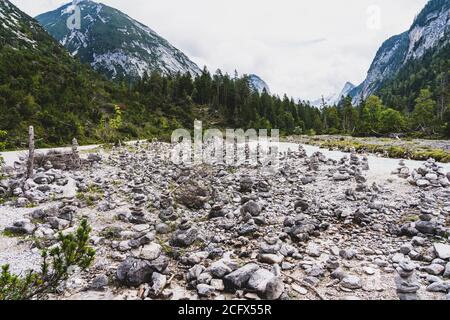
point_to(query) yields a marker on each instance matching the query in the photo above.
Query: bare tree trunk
(76, 161)
(30, 163)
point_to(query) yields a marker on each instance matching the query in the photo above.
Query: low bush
(71, 250)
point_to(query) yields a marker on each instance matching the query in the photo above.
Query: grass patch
(111, 233)
(93, 188)
(437, 154)
(401, 152)
(93, 194)
(166, 248)
(9, 234)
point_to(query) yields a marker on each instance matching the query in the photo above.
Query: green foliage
(2, 142)
(116, 121)
(391, 121)
(44, 86)
(71, 250)
(423, 115)
(371, 115)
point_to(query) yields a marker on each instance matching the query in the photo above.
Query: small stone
(204, 278)
(184, 238)
(351, 282)
(347, 254)
(434, 269)
(442, 250)
(162, 228)
(299, 289)
(134, 272)
(219, 269)
(447, 271)
(159, 282)
(370, 271)
(270, 258)
(406, 249)
(398, 257)
(205, 290)
(341, 176)
(22, 227)
(422, 183)
(274, 289)
(217, 284)
(252, 208)
(426, 227)
(259, 279)
(431, 176)
(99, 283)
(150, 252)
(313, 250)
(338, 274)
(239, 278)
(441, 286)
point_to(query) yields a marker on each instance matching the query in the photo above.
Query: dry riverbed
(322, 227)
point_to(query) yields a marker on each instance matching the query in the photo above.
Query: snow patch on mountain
(334, 99)
(11, 20)
(124, 49)
(258, 84)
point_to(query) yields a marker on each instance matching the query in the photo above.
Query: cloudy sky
(304, 48)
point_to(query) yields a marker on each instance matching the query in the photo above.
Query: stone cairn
(301, 151)
(167, 212)
(406, 281)
(314, 163)
(430, 174)
(139, 201)
(402, 170)
(67, 210)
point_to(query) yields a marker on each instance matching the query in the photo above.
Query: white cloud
(302, 48)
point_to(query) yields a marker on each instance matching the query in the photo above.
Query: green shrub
(71, 250)
(2, 148)
(2, 143)
(437, 154)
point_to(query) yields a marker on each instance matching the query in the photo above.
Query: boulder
(134, 272)
(259, 279)
(238, 279)
(21, 227)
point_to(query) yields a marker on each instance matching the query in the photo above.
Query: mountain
(258, 84)
(113, 43)
(18, 31)
(430, 31)
(334, 99)
(42, 85)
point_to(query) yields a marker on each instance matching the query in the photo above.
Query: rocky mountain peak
(113, 43)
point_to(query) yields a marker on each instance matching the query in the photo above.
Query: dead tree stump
(30, 164)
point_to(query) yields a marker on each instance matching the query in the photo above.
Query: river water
(379, 167)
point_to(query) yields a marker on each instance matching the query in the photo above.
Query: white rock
(150, 251)
(442, 250)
